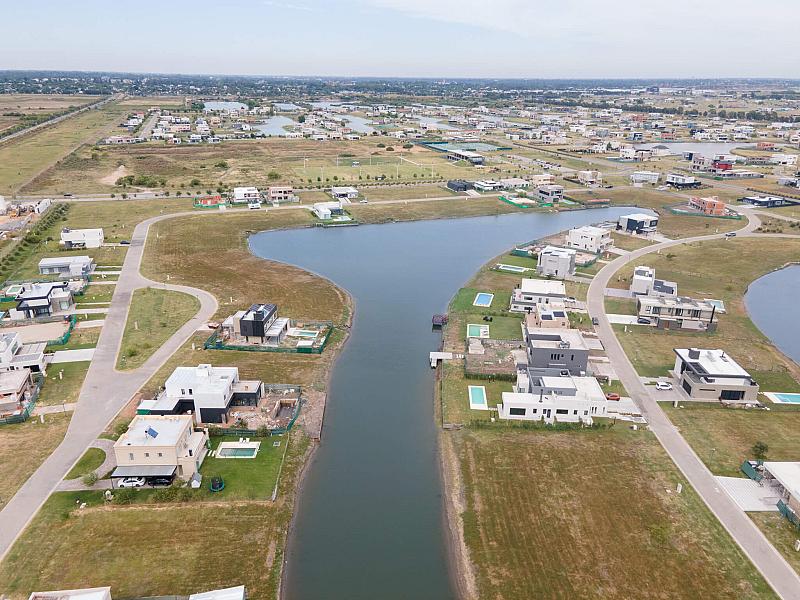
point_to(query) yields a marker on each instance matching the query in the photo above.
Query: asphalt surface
(775, 569)
(105, 390)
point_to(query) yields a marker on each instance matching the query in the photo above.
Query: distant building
(644, 283)
(67, 266)
(681, 181)
(590, 177)
(244, 195)
(550, 194)
(515, 183)
(344, 193)
(710, 205)
(281, 193)
(645, 177)
(768, 201)
(713, 375)
(556, 262)
(467, 155)
(459, 185)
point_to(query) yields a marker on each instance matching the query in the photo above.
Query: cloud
(286, 5)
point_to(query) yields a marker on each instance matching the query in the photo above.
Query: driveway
(622, 319)
(68, 356)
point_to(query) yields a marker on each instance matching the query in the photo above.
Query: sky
(408, 38)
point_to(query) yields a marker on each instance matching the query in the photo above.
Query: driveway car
(643, 321)
(131, 482)
(612, 396)
(663, 386)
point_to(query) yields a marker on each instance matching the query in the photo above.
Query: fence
(750, 470)
(38, 381)
(67, 334)
(790, 515)
(214, 343)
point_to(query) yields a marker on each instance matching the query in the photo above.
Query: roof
(144, 471)
(788, 474)
(556, 338)
(56, 261)
(639, 217)
(12, 381)
(675, 302)
(259, 312)
(167, 430)
(232, 593)
(205, 377)
(711, 363)
(590, 230)
(556, 251)
(543, 286)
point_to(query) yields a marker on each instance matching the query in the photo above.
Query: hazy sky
(425, 38)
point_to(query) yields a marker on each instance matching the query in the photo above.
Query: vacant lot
(23, 448)
(723, 438)
(153, 317)
(23, 159)
(591, 514)
(24, 110)
(211, 545)
(722, 270)
(63, 383)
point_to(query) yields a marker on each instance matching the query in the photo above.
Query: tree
(759, 450)
(273, 175)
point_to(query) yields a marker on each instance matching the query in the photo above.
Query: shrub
(89, 479)
(124, 496)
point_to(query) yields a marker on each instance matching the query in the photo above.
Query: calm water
(275, 125)
(358, 124)
(224, 105)
(772, 302)
(369, 522)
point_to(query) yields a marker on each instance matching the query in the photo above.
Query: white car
(131, 482)
(363, 201)
(663, 386)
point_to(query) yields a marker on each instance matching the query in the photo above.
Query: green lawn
(781, 533)
(455, 395)
(91, 459)
(246, 479)
(96, 293)
(78, 339)
(620, 306)
(154, 315)
(500, 328)
(463, 301)
(63, 389)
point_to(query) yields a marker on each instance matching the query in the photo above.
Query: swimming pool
(512, 268)
(477, 397)
(785, 398)
(477, 331)
(242, 449)
(305, 333)
(483, 300)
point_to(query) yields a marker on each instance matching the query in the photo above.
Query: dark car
(643, 321)
(595, 321)
(160, 481)
(124, 243)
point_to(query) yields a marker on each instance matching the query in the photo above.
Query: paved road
(105, 391)
(778, 573)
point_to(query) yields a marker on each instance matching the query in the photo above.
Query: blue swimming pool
(483, 300)
(477, 397)
(786, 398)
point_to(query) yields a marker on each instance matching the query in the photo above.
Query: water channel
(369, 522)
(772, 304)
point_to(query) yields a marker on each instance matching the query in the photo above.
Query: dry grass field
(591, 514)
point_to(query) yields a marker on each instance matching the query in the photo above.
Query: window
(562, 411)
(190, 391)
(147, 455)
(183, 392)
(160, 455)
(731, 395)
(517, 412)
(130, 456)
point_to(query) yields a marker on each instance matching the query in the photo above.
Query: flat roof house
(550, 194)
(99, 593)
(710, 375)
(459, 185)
(160, 446)
(787, 476)
(590, 177)
(81, 238)
(645, 177)
(677, 312)
(259, 324)
(681, 181)
(281, 193)
(67, 266)
(556, 352)
(644, 283)
(344, 192)
(243, 195)
(548, 316)
(15, 355)
(550, 399)
(42, 300)
(513, 183)
(638, 223)
(536, 291)
(589, 238)
(471, 157)
(205, 390)
(556, 262)
(15, 389)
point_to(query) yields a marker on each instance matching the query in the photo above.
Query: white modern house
(281, 193)
(547, 316)
(556, 262)
(245, 195)
(66, 266)
(537, 291)
(644, 283)
(638, 223)
(81, 238)
(645, 177)
(550, 194)
(344, 193)
(590, 177)
(205, 390)
(14, 355)
(160, 447)
(677, 312)
(328, 210)
(589, 238)
(41, 300)
(713, 375)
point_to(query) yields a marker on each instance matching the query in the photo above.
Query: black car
(124, 243)
(643, 321)
(160, 481)
(595, 321)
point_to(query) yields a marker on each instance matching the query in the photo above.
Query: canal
(370, 521)
(771, 302)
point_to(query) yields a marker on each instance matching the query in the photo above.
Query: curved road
(777, 572)
(105, 390)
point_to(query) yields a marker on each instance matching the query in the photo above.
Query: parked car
(124, 243)
(663, 386)
(131, 482)
(612, 396)
(363, 201)
(161, 481)
(643, 321)
(730, 234)
(595, 321)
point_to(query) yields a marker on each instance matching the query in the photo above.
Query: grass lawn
(64, 389)
(780, 533)
(211, 545)
(500, 328)
(620, 306)
(91, 459)
(96, 293)
(455, 395)
(629, 242)
(591, 514)
(723, 437)
(245, 478)
(465, 297)
(24, 447)
(153, 317)
(721, 270)
(78, 339)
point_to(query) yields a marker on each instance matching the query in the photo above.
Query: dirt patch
(111, 178)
